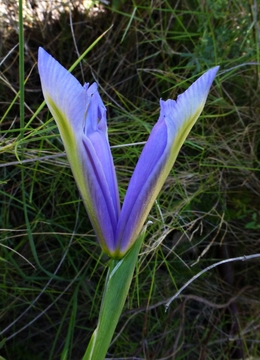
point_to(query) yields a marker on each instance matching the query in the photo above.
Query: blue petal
(63, 89)
(81, 118)
(158, 156)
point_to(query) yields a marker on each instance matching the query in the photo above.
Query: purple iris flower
(81, 118)
(158, 156)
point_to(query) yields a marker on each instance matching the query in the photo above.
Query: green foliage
(52, 269)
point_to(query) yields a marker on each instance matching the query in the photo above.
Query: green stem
(118, 281)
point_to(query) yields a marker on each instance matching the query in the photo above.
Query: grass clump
(52, 269)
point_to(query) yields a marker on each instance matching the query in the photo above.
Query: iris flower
(81, 118)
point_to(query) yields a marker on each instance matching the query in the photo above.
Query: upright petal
(81, 118)
(158, 156)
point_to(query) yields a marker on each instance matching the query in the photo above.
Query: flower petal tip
(211, 74)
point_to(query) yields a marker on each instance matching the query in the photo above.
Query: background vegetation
(52, 270)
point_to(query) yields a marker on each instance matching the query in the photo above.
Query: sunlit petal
(158, 156)
(81, 118)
